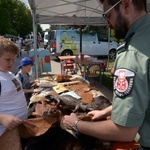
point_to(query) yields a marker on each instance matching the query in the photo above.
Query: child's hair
(7, 45)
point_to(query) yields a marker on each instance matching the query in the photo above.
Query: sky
(44, 26)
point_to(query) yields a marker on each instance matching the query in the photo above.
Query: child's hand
(37, 90)
(10, 121)
(36, 81)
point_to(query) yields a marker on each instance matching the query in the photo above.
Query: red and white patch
(123, 82)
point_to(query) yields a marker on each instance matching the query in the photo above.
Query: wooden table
(78, 61)
(46, 131)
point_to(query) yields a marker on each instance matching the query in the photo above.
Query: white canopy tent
(70, 12)
(67, 12)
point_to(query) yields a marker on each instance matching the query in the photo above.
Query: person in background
(13, 106)
(130, 110)
(19, 44)
(23, 75)
(27, 44)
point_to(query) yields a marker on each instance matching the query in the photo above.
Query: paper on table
(72, 93)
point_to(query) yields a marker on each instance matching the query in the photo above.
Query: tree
(16, 18)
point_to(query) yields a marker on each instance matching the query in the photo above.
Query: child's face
(27, 68)
(7, 61)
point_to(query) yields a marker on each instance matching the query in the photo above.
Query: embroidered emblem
(123, 82)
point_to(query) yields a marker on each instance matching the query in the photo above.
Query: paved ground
(56, 69)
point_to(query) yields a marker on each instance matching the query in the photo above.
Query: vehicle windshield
(47, 36)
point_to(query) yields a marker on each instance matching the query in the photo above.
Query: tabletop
(72, 57)
(49, 127)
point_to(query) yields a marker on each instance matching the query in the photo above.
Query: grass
(107, 78)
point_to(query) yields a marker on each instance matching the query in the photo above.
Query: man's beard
(121, 27)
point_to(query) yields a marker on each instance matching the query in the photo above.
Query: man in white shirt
(19, 44)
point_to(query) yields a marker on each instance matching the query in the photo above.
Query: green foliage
(16, 18)
(107, 80)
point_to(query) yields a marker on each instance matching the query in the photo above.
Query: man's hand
(96, 114)
(68, 120)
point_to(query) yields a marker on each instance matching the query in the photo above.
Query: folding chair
(68, 66)
(94, 71)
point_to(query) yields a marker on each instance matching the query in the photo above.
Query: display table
(78, 61)
(44, 128)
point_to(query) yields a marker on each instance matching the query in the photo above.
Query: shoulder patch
(123, 82)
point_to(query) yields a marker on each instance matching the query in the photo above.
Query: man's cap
(25, 62)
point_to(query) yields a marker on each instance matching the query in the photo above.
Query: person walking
(19, 44)
(27, 44)
(130, 107)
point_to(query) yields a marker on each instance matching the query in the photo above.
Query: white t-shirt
(18, 42)
(12, 99)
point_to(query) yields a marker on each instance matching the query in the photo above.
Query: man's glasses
(104, 14)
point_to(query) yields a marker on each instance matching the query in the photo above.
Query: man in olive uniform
(130, 110)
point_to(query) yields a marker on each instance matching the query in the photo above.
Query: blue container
(44, 64)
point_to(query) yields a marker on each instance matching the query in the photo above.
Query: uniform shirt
(131, 101)
(12, 99)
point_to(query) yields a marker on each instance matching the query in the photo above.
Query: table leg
(61, 65)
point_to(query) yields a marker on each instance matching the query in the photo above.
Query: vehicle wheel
(112, 54)
(67, 52)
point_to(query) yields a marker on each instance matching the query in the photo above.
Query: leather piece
(83, 90)
(35, 127)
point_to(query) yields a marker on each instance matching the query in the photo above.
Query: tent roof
(70, 12)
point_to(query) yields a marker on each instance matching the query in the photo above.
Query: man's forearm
(107, 111)
(107, 130)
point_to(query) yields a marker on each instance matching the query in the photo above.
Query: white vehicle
(46, 39)
(68, 43)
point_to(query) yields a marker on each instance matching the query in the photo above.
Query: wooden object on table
(60, 88)
(62, 77)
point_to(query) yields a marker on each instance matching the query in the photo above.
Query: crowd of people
(25, 44)
(130, 109)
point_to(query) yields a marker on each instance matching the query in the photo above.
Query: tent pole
(35, 40)
(81, 38)
(108, 46)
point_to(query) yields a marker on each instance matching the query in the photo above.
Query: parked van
(68, 43)
(46, 39)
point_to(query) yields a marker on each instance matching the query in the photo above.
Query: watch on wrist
(74, 127)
